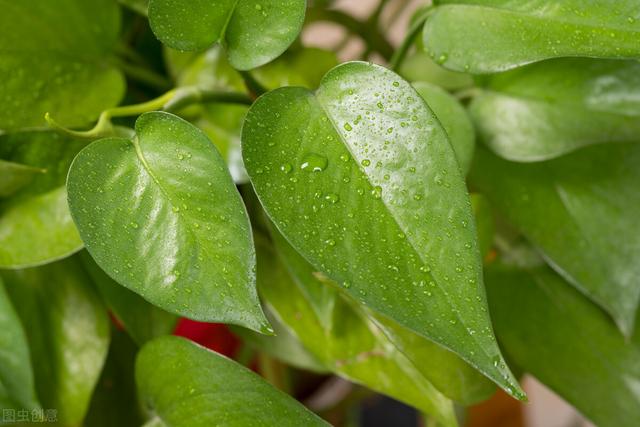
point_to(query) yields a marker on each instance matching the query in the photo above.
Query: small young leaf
(454, 119)
(253, 32)
(142, 320)
(556, 334)
(35, 223)
(160, 214)
(551, 108)
(16, 376)
(54, 57)
(200, 388)
(361, 179)
(484, 36)
(581, 210)
(68, 332)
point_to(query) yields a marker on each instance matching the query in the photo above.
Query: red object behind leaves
(214, 336)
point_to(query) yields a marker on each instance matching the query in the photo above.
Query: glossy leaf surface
(555, 333)
(54, 57)
(253, 32)
(361, 179)
(454, 119)
(141, 320)
(581, 210)
(484, 36)
(544, 110)
(16, 376)
(201, 388)
(160, 214)
(68, 332)
(360, 345)
(35, 223)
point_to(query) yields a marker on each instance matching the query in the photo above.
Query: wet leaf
(68, 333)
(160, 214)
(484, 36)
(35, 223)
(555, 333)
(454, 119)
(253, 32)
(16, 376)
(201, 388)
(361, 179)
(55, 57)
(581, 211)
(548, 109)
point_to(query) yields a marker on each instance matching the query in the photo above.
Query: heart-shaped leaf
(54, 57)
(254, 32)
(160, 214)
(361, 346)
(16, 376)
(35, 223)
(68, 332)
(201, 388)
(483, 36)
(454, 119)
(547, 109)
(142, 320)
(556, 334)
(582, 211)
(361, 179)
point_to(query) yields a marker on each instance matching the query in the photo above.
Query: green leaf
(253, 32)
(16, 376)
(360, 345)
(35, 223)
(160, 214)
(454, 119)
(581, 211)
(484, 222)
(361, 179)
(56, 57)
(201, 388)
(485, 36)
(142, 320)
(556, 334)
(544, 110)
(15, 176)
(419, 67)
(68, 332)
(115, 401)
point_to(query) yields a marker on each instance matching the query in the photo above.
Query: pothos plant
(339, 216)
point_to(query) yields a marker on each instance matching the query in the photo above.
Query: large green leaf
(454, 119)
(15, 176)
(555, 333)
(16, 376)
(483, 36)
(254, 32)
(142, 320)
(55, 57)
(68, 332)
(35, 223)
(361, 179)
(581, 210)
(547, 109)
(360, 345)
(160, 214)
(200, 388)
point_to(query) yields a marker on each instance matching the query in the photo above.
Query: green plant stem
(144, 75)
(254, 87)
(171, 101)
(274, 372)
(371, 35)
(414, 30)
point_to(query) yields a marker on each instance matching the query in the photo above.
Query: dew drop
(313, 162)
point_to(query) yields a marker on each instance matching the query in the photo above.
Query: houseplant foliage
(426, 226)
